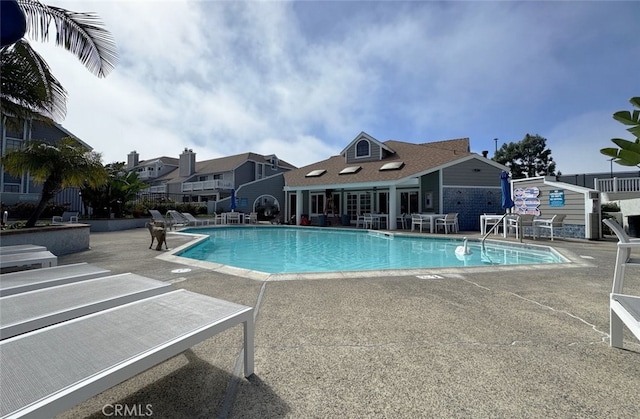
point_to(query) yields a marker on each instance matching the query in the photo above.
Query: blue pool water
(281, 249)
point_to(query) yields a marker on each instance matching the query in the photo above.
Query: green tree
(28, 87)
(65, 164)
(527, 158)
(628, 153)
(121, 187)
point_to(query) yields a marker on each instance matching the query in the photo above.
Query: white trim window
(259, 170)
(317, 203)
(363, 149)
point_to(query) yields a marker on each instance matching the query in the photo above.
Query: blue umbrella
(507, 202)
(233, 200)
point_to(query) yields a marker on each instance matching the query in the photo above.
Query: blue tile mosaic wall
(470, 204)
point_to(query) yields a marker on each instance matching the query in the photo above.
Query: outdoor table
(485, 221)
(226, 218)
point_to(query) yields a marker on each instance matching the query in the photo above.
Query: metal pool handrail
(493, 227)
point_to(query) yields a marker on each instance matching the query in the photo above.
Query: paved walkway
(516, 342)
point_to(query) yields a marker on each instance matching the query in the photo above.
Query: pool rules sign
(556, 198)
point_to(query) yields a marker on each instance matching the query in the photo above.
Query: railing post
(615, 184)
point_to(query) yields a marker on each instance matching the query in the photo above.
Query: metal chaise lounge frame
(44, 258)
(20, 248)
(44, 375)
(33, 279)
(177, 219)
(193, 221)
(623, 309)
(157, 217)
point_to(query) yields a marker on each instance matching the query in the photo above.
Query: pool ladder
(493, 227)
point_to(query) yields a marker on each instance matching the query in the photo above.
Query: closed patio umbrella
(233, 200)
(507, 201)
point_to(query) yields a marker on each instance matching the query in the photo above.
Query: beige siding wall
(574, 202)
(471, 173)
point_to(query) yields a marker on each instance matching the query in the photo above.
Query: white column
(393, 203)
(298, 206)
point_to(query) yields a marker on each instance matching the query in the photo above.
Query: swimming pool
(281, 249)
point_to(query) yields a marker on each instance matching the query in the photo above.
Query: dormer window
(363, 148)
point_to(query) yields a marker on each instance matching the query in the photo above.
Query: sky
(302, 79)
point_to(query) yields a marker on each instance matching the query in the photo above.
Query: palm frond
(83, 34)
(28, 86)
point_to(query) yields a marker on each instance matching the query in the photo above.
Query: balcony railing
(618, 185)
(155, 189)
(207, 185)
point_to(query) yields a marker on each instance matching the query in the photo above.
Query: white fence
(618, 185)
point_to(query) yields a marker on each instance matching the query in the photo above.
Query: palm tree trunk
(49, 190)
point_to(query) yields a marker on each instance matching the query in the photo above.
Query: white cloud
(301, 79)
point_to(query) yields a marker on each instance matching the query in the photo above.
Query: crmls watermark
(129, 410)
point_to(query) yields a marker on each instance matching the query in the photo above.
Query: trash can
(322, 220)
(346, 220)
(634, 225)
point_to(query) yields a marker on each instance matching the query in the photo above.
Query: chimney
(187, 162)
(485, 153)
(133, 159)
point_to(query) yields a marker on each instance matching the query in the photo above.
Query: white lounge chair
(21, 248)
(623, 309)
(193, 221)
(554, 223)
(177, 219)
(67, 217)
(44, 259)
(95, 352)
(159, 218)
(20, 313)
(33, 279)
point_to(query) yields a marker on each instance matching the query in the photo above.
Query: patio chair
(193, 221)
(359, 220)
(67, 217)
(367, 221)
(554, 223)
(401, 221)
(520, 223)
(233, 218)
(623, 309)
(449, 222)
(252, 218)
(417, 220)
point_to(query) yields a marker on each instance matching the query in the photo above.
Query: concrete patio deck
(511, 342)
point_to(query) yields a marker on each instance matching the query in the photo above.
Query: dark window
(363, 149)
